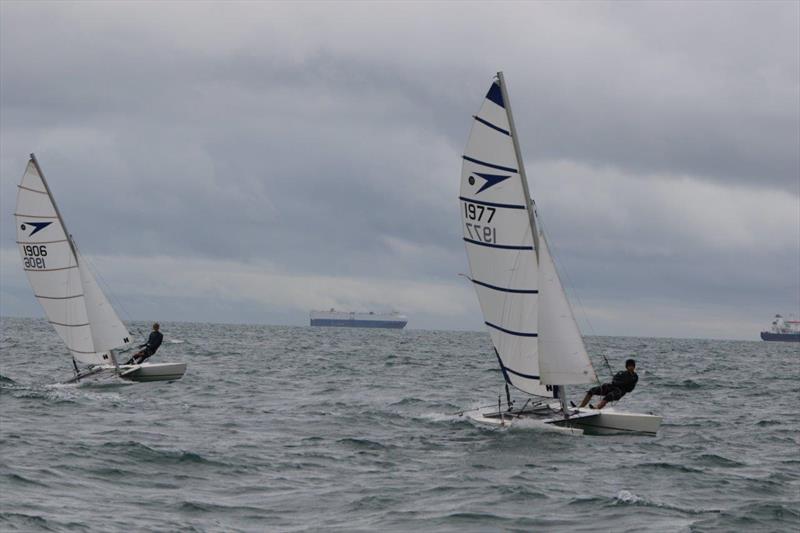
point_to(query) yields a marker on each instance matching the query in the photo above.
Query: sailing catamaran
(72, 300)
(536, 340)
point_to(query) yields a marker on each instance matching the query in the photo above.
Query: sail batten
(68, 293)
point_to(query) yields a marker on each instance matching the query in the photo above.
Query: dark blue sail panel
(496, 95)
(491, 180)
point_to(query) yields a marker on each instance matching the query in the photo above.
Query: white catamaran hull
(141, 372)
(608, 421)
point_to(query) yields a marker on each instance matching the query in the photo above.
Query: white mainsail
(537, 341)
(61, 281)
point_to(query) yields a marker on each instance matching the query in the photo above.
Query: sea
(337, 429)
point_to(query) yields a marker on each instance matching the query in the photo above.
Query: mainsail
(61, 281)
(534, 333)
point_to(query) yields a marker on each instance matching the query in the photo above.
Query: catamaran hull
(610, 422)
(153, 372)
(140, 373)
(581, 421)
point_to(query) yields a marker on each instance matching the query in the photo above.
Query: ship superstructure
(782, 330)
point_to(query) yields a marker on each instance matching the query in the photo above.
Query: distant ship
(782, 330)
(358, 320)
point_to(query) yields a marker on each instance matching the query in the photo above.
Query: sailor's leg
(602, 403)
(586, 399)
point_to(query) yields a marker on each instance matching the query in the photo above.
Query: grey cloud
(271, 134)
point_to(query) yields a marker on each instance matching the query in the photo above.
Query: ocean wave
(761, 516)
(137, 450)
(363, 444)
(25, 522)
(16, 479)
(712, 459)
(670, 466)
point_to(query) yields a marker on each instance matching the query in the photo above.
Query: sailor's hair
(630, 362)
(156, 325)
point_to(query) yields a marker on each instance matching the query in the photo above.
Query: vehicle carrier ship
(352, 319)
(782, 330)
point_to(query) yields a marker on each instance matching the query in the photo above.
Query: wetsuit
(150, 347)
(623, 383)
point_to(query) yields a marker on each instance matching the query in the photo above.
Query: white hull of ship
(607, 421)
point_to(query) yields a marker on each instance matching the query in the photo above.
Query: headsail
(72, 301)
(537, 341)
(562, 355)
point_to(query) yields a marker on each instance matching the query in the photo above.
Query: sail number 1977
(33, 256)
(476, 212)
(479, 213)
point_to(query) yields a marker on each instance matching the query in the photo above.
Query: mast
(55, 206)
(529, 203)
(528, 199)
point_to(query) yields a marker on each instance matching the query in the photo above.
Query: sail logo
(490, 180)
(37, 227)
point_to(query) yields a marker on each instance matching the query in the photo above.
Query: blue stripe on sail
(491, 204)
(517, 333)
(490, 165)
(487, 123)
(517, 291)
(520, 374)
(502, 246)
(506, 370)
(502, 367)
(495, 95)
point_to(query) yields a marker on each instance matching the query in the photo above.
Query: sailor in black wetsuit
(150, 347)
(624, 382)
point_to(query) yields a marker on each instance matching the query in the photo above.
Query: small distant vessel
(782, 330)
(537, 343)
(72, 300)
(351, 319)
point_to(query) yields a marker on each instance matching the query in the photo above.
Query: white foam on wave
(76, 392)
(626, 496)
(440, 417)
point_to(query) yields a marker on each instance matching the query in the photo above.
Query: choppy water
(293, 429)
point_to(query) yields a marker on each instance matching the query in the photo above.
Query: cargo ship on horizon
(782, 330)
(352, 319)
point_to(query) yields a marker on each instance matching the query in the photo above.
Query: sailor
(624, 382)
(150, 347)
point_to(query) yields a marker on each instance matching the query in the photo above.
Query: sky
(248, 162)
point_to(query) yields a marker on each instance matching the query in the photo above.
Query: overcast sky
(248, 162)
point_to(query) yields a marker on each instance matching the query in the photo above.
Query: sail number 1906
(33, 256)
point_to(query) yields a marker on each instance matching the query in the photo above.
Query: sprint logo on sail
(490, 180)
(37, 227)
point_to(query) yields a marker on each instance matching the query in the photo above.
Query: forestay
(534, 333)
(72, 301)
